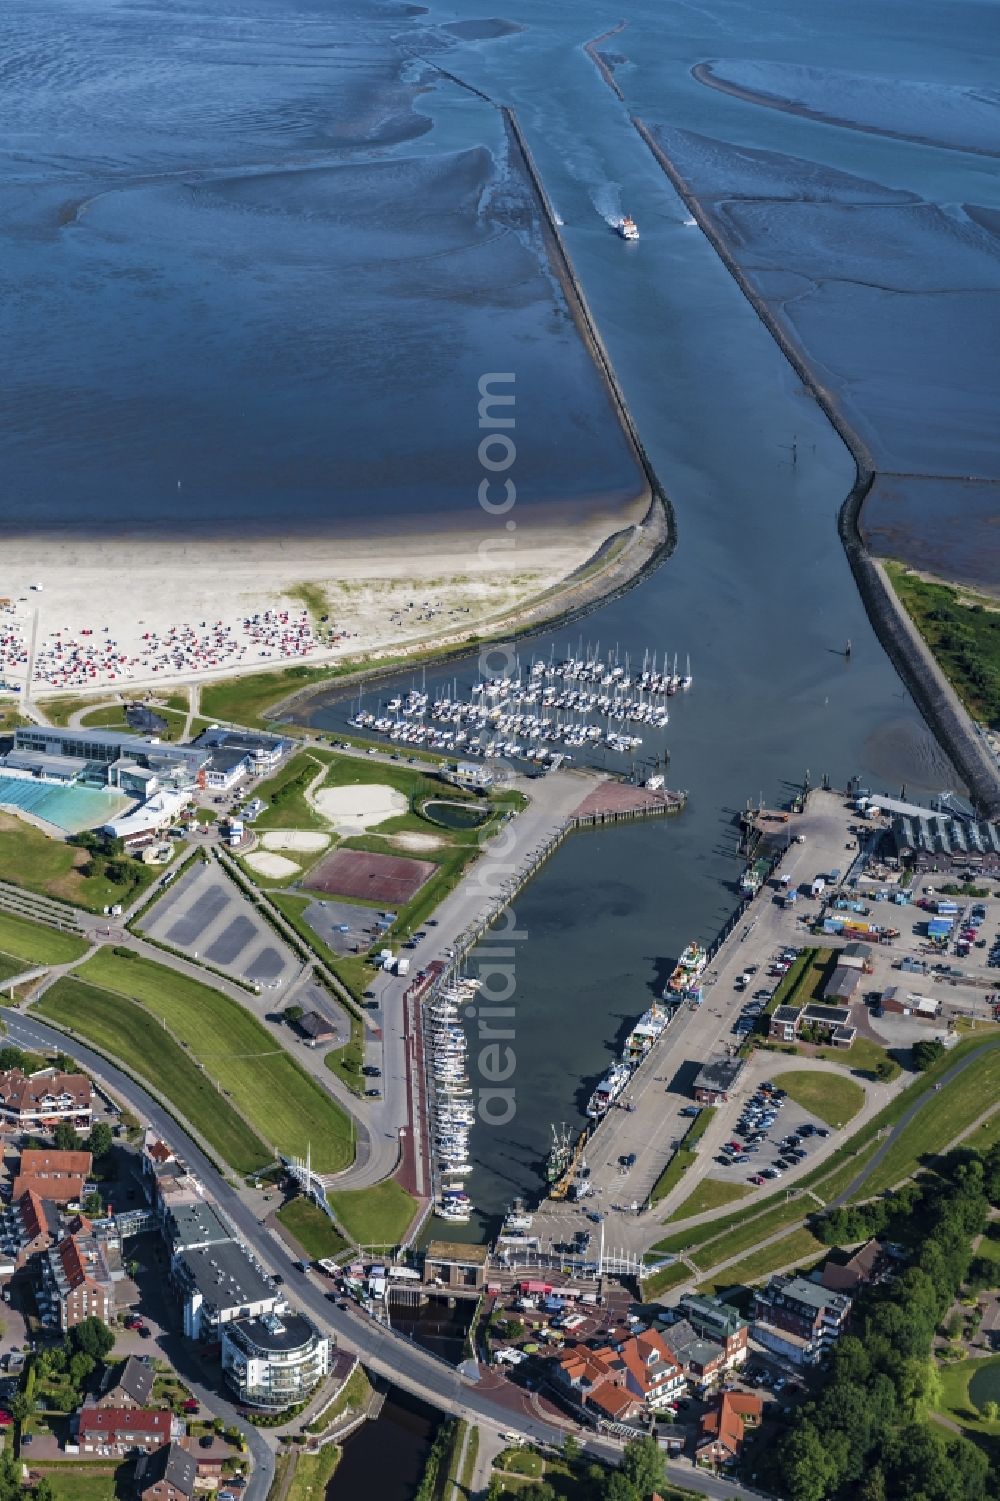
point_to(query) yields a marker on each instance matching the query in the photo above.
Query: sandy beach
(140, 613)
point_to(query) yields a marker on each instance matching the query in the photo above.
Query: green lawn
(862, 1055)
(10, 967)
(346, 1062)
(281, 1101)
(963, 632)
(61, 710)
(961, 1405)
(38, 944)
(672, 1174)
(245, 700)
(124, 1030)
(284, 794)
(378, 1216)
(662, 1281)
(800, 1246)
(711, 1193)
(80, 1481)
(30, 859)
(939, 1121)
(832, 1097)
(984, 1136)
(314, 1230)
(313, 1473)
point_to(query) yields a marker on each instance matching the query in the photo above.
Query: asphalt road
(389, 1355)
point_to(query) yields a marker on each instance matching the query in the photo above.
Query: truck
(402, 966)
(818, 886)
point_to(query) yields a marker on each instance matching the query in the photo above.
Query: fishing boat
(608, 1090)
(689, 966)
(628, 229)
(559, 1156)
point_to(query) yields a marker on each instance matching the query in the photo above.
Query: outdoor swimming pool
(72, 808)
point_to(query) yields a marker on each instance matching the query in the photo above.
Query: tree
(620, 1488)
(100, 1140)
(571, 1447)
(93, 1337)
(808, 1469)
(884, 1069)
(990, 1411)
(93, 1204)
(644, 1466)
(11, 1057)
(20, 1407)
(80, 1367)
(65, 1138)
(925, 1052)
(294, 1013)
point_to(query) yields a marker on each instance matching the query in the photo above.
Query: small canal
(386, 1459)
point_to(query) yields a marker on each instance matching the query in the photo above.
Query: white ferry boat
(628, 229)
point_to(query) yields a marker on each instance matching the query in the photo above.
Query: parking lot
(772, 1135)
(342, 926)
(205, 916)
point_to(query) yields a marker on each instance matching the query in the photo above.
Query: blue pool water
(71, 809)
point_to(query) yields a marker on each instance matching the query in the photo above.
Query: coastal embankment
(927, 684)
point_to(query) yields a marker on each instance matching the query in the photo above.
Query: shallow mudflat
(246, 296)
(930, 112)
(894, 302)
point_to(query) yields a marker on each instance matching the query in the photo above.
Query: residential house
(59, 1176)
(128, 1384)
(703, 1360)
(78, 1281)
(168, 1474)
(797, 1319)
(622, 1382)
(32, 1102)
(28, 1226)
(848, 1277)
(714, 1319)
(784, 1023)
(723, 1428)
(833, 1022)
(123, 1430)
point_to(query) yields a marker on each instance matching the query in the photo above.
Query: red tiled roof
(37, 1163)
(724, 1424)
(20, 1091)
(109, 1422)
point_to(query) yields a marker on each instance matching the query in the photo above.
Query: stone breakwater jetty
(930, 689)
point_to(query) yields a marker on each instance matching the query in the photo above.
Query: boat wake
(607, 199)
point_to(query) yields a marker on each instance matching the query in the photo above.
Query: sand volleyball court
(294, 839)
(275, 866)
(355, 808)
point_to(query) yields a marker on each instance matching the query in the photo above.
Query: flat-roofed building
(219, 1283)
(456, 1265)
(716, 1079)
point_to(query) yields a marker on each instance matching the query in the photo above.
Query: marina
(570, 704)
